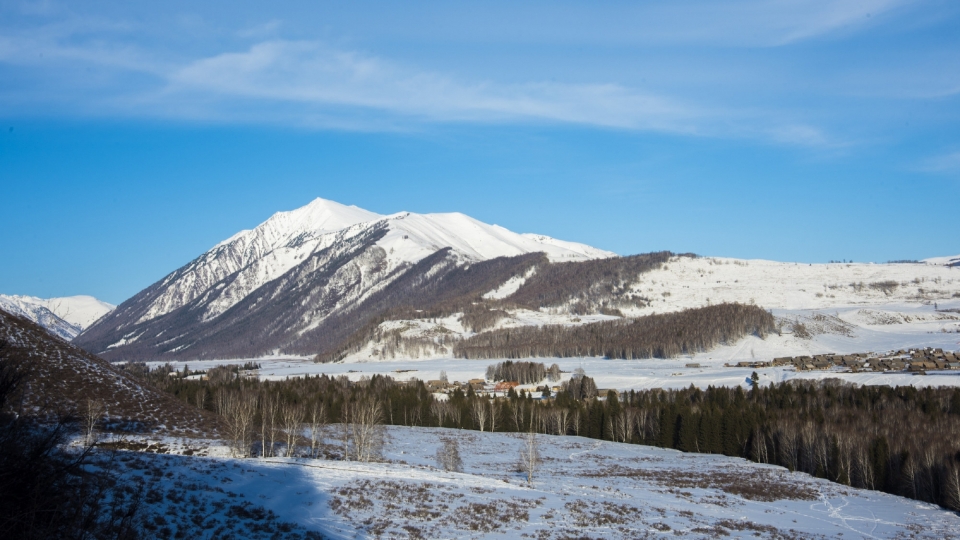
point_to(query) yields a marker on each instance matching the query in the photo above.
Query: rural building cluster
(482, 387)
(913, 360)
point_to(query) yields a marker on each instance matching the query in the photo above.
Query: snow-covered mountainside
(252, 258)
(944, 261)
(63, 317)
(279, 285)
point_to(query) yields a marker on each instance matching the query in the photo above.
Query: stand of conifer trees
(660, 336)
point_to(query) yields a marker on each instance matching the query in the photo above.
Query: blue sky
(134, 137)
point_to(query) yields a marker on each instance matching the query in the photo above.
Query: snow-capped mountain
(254, 257)
(275, 284)
(337, 280)
(63, 317)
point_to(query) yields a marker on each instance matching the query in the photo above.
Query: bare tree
(200, 399)
(553, 373)
(530, 455)
(440, 410)
(318, 421)
(269, 406)
(443, 376)
(91, 414)
(238, 409)
(292, 415)
(952, 486)
(562, 421)
(448, 455)
(364, 421)
(517, 417)
(273, 417)
(456, 414)
(760, 447)
(480, 412)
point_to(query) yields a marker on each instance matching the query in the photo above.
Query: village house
(438, 385)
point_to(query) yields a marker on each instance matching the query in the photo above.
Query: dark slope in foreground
(62, 377)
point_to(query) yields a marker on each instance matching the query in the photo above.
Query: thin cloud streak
(948, 163)
(309, 73)
(309, 83)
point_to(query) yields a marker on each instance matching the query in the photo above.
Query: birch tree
(530, 455)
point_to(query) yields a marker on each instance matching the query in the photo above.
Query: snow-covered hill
(584, 488)
(63, 317)
(944, 261)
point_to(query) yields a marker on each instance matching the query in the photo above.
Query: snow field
(582, 487)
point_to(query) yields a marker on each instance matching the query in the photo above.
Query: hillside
(64, 317)
(583, 488)
(61, 377)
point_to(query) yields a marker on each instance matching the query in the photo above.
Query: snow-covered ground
(583, 487)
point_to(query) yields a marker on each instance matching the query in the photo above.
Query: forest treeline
(903, 440)
(653, 336)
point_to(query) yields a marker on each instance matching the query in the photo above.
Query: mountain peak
(320, 215)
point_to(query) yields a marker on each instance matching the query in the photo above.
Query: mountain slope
(61, 377)
(63, 317)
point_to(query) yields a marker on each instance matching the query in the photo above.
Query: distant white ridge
(64, 317)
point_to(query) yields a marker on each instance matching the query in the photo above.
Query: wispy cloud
(252, 74)
(943, 163)
(749, 23)
(261, 31)
(313, 74)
